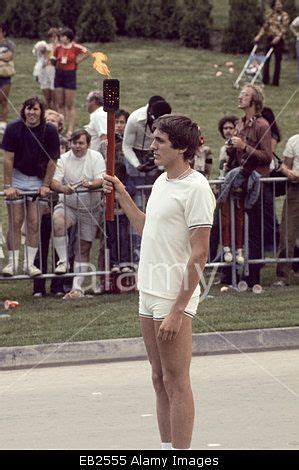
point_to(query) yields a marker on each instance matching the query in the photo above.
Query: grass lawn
(186, 78)
(51, 319)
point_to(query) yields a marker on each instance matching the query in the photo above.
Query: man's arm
(135, 215)
(199, 241)
(128, 142)
(61, 188)
(287, 169)
(8, 163)
(94, 184)
(8, 167)
(44, 190)
(262, 151)
(6, 56)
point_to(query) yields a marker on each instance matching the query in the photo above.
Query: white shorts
(46, 77)
(157, 308)
(87, 222)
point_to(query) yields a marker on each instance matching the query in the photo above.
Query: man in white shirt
(97, 126)
(139, 161)
(289, 228)
(175, 239)
(79, 167)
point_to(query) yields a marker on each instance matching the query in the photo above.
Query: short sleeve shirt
(32, 147)
(66, 56)
(174, 208)
(292, 151)
(71, 169)
(96, 127)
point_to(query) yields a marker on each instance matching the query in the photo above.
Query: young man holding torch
(175, 234)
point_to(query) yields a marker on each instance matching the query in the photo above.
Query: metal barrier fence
(116, 245)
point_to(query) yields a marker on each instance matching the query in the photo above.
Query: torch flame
(99, 64)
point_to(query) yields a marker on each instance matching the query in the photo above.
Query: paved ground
(242, 402)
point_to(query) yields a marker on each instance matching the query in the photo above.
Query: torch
(111, 105)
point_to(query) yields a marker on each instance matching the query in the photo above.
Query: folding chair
(253, 67)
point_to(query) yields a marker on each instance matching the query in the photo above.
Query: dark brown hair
(30, 103)
(181, 131)
(77, 134)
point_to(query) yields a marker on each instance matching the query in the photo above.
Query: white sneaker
(228, 257)
(99, 289)
(32, 270)
(240, 259)
(8, 270)
(61, 267)
(115, 268)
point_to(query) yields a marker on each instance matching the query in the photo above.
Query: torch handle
(110, 162)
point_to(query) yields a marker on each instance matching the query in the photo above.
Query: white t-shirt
(71, 169)
(292, 151)
(96, 127)
(174, 208)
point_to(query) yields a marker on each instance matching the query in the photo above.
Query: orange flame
(99, 64)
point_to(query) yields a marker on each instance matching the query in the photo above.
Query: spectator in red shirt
(67, 56)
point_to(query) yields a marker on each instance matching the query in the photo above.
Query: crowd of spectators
(41, 162)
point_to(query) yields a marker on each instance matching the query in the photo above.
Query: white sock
(29, 255)
(78, 280)
(226, 249)
(60, 245)
(166, 446)
(174, 448)
(240, 251)
(13, 258)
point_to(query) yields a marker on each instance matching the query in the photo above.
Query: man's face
(245, 98)
(278, 6)
(33, 115)
(80, 146)
(228, 130)
(165, 155)
(90, 105)
(120, 124)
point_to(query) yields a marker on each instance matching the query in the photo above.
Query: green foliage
(162, 19)
(49, 16)
(95, 22)
(244, 21)
(137, 18)
(196, 23)
(172, 14)
(3, 6)
(290, 7)
(119, 10)
(22, 17)
(69, 12)
(290, 40)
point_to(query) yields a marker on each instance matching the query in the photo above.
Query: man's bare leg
(162, 401)
(175, 359)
